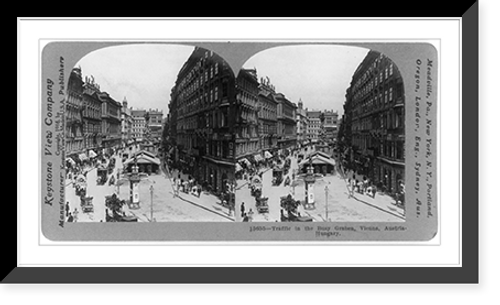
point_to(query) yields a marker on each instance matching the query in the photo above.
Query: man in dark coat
(242, 209)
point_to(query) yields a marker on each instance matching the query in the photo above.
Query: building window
(390, 94)
(390, 69)
(224, 89)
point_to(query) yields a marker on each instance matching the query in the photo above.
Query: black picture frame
(468, 272)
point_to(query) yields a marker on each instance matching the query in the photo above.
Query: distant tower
(300, 103)
(125, 103)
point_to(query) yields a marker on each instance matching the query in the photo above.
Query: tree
(290, 205)
(115, 205)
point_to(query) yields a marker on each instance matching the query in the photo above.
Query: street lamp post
(326, 202)
(151, 189)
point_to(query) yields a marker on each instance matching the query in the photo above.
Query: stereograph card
(248, 141)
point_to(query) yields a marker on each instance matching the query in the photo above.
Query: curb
(204, 208)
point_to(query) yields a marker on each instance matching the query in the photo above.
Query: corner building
(375, 103)
(202, 120)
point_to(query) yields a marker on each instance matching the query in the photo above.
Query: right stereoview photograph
(319, 136)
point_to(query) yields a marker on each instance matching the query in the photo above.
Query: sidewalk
(381, 201)
(206, 200)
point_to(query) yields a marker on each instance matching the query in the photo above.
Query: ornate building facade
(375, 117)
(267, 117)
(247, 125)
(74, 132)
(202, 120)
(111, 121)
(287, 126)
(92, 114)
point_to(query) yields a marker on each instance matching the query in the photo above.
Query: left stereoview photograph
(132, 143)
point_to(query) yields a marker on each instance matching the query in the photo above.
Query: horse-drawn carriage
(277, 176)
(86, 204)
(80, 185)
(261, 204)
(102, 175)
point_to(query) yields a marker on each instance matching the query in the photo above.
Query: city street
(185, 207)
(335, 206)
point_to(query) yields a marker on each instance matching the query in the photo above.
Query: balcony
(399, 103)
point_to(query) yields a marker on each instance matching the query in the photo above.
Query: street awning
(143, 159)
(318, 160)
(82, 157)
(268, 155)
(92, 154)
(238, 167)
(245, 161)
(258, 158)
(71, 161)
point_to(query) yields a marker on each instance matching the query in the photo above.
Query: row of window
(373, 83)
(388, 120)
(74, 131)
(381, 60)
(268, 129)
(391, 149)
(247, 132)
(91, 128)
(247, 148)
(197, 78)
(91, 142)
(210, 148)
(195, 103)
(212, 119)
(267, 113)
(72, 146)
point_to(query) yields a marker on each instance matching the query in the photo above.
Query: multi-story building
(111, 121)
(287, 126)
(329, 125)
(375, 112)
(92, 115)
(202, 119)
(73, 114)
(314, 124)
(267, 118)
(302, 124)
(247, 128)
(127, 123)
(138, 124)
(154, 119)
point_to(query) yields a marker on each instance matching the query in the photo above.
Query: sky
(317, 74)
(143, 73)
